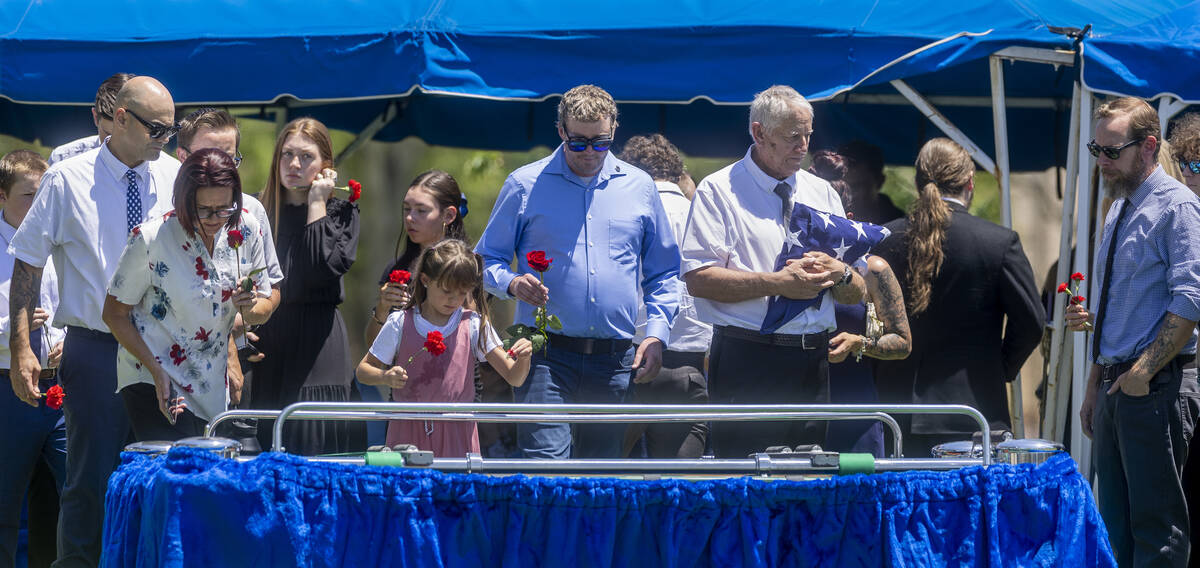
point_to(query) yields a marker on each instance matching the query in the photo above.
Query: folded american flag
(812, 230)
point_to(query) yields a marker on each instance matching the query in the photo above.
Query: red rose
(1079, 299)
(434, 343)
(537, 260)
(1062, 288)
(399, 277)
(236, 239)
(54, 397)
(1078, 277)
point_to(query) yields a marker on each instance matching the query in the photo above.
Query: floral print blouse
(183, 307)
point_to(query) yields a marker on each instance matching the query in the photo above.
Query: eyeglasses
(206, 212)
(156, 131)
(1112, 152)
(1193, 167)
(599, 143)
(236, 156)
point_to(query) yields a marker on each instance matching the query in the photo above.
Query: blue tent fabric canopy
(507, 60)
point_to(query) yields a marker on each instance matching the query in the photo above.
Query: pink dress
(448, 377)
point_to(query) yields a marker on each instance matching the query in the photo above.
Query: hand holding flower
(395, 377)
(1076, 318)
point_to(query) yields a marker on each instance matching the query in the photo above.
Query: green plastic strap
(856, 463)
(385, 458)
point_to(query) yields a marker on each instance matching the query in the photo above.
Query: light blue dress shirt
(605, 235)
(1156, 267)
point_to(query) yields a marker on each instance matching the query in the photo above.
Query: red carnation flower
(236, 239)
(434, 343)
(1078, 299)
(400, 277)
(1062, 288)
(355, 190)
(54, 397)
(537, 260)
(512, 354)
(1078, 277)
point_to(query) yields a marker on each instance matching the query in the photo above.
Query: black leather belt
(588, 345)
(1109, 373)
(803, 341)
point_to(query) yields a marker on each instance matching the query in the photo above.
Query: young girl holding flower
(427, 351)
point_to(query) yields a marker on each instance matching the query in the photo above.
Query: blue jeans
(30, 435)
(565, 377)
(376, 429)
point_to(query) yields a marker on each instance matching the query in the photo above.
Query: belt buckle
(804, 339)
(589, 345)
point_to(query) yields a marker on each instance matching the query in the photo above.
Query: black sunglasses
(1193, 167)
(1113, 152)
(599, 143)
(156, 131)
(205, 212)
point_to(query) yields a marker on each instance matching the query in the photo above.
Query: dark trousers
(148, 422)
(681, 381)
(97, 430)
(741, 371)
(1139, 449)
(566, 377)
(32, 437)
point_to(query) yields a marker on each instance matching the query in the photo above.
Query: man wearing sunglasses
(102, 116)
(82, 214)
(603, 224)
(1141, 400)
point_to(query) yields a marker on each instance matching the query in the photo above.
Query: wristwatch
(846, 276)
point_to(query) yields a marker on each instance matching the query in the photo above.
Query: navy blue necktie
(784, 191)
(133, 202)
(1108, 264)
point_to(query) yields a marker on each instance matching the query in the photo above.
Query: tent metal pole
(1000, 126)
(1168, 107)
(381, 120)
(1058, 335)
(939, 120)
(1081, 447)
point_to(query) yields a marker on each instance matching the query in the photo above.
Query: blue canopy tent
(486, 73)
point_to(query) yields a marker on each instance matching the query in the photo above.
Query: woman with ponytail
(961, 277)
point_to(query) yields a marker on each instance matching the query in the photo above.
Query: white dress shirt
(78, 217)
(688, 333)
(254, 207)
(74, 148)
(47, 300)
(736, 222)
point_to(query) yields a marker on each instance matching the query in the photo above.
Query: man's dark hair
(106, 95)
(654, 155)
(216, 119)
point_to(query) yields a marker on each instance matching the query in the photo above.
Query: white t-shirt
(736, 223)
(388, 339)
(47, 300)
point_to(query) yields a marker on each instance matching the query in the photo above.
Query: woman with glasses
(305, 343)
(173, 297)
(1185, 148)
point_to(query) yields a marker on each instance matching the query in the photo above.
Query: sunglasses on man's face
(1112, 152)
(599, 143)
(155, 130)
(1193, 167)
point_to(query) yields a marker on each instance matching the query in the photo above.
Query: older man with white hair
(739, 224)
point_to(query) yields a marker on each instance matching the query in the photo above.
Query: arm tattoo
(23, 297)
(1172, 336)
(889, 305)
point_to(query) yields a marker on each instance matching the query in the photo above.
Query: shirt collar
(117, 169)
(669, 187)
(611, 168)
(1147, 187)
(6, 230)
(954, 200)
(762, 179)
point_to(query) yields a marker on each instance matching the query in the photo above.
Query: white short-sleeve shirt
(736, 223)
(254, 207)
(47, 300)
(79, 217)
(388, 339)
(182, 306)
